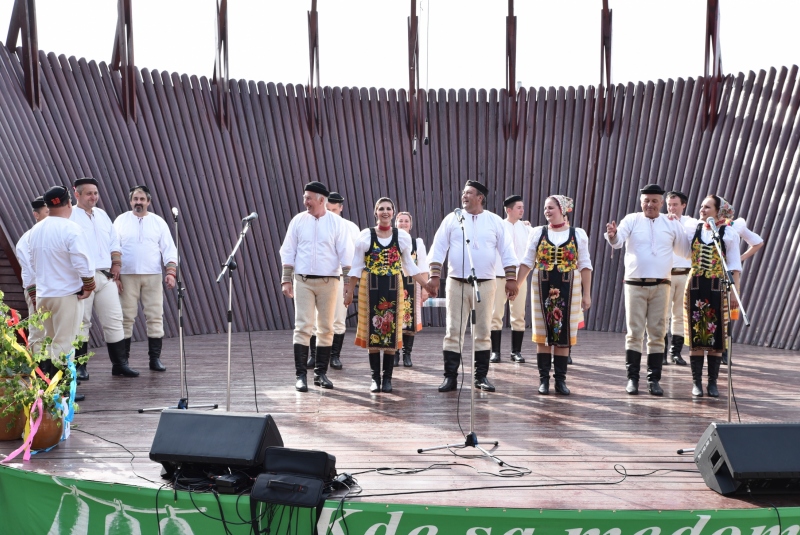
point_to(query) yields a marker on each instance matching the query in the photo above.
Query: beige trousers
(516, 307)
(677, 294)
(646, 309)
(315, 309)
(339, 318)
(64, 324)
(35, 334)
(148, 289)
(459, 308)
(104, 300)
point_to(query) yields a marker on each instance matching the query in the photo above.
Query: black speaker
(209, 440)
(750, 458)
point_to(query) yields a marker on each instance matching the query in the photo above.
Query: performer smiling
(486, 237)
(416, 293)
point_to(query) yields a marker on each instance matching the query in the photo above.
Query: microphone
(175, 211)
(459, 214)
(712, 224)
(250, 217)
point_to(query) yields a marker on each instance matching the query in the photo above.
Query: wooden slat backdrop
(215, 176)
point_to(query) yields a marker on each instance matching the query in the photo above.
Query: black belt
(466, 281)
(107, 273)
(646, 282)
(320, 276)
(681, 271)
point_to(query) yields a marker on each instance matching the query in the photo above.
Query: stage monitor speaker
(197, 439)
(750, 458)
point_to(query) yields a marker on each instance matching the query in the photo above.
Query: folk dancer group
(75, 261)
(672, 282)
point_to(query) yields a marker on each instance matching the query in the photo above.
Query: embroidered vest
(562, 257)
(705, 258)
(381, 260)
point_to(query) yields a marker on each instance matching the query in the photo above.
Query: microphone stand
(229, 267)
(183, 402)
(730, 286)
(471, 440)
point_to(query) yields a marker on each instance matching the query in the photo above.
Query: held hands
(433, 286)
(348, 296)
(287, 290)
(511, 289)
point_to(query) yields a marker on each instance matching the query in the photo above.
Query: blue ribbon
(73, 373)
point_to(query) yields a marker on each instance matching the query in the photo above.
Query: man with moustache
(519, 231)
(107, 257)
(650, 239)
(63, 268)
(316, 252)
(147, 245)
(487, 238)
(40, 211)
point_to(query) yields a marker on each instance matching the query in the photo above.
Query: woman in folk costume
(382, 253)
(414, 295)
(561, 288)
(707, 306)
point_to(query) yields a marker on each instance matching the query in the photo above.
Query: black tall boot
(724, 359)
(388, 366)
(696, 362)
(321, 367)
(336, 351)
(127, 348)
(312, 353)
(119, 360)
(481, 369)
(83, 373)
(375, 367)
(560, 375)
(496, 337)
(451, 362)
(408, 345)
(654, 361)
(300, 356)
(154, 351)
(666, 345)
(543, 362)
(633, 363)
(713, 373)
(675, 350)
(516, 346)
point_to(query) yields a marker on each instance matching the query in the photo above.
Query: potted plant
(27, 393)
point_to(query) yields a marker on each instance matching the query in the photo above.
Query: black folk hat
(317, 187)
(478, 186)
(86, 180)
(38, 202)
(56, 197)
(511, 199)
(336, 198)
(652, 189)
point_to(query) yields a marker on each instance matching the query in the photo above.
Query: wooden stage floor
(575, 447)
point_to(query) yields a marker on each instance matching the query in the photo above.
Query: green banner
(32, 503)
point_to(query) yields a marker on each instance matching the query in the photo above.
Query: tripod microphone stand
(471, 439)
(730, 286)
(183, 402)
(229, 267)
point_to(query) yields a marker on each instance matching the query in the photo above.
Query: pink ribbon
(26, 445)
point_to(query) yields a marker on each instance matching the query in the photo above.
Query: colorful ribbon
(31, 428)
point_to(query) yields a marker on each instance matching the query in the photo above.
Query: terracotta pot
(18, 419)
(49, 433)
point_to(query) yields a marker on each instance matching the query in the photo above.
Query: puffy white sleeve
(422, 256)
(361, 247)
(409, 266)
(624, 230)
(732, 255)
(169, 253)
(530, 249)
(740, 226)
(289, 246)
(584, 257)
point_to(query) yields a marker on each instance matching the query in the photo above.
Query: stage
(598, 449)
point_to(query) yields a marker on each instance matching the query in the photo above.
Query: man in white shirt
(681, 266)
(107, 256)
(146, 245)
(485, 236)
(316, 252)
(335, 204)
(40, 211)
(650, 239)
(519, 231)
(63, 269)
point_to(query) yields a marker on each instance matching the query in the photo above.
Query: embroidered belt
(646, 282)
(681, 271)
(466, 281)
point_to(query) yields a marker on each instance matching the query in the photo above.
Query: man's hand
(286, 288)
(119, 285)
(511, 289)
(169, 280)
(611, 229)
(85, 294)
(115, 269)
(433, 286)
(348, 296)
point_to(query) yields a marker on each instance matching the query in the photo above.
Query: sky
(363, 43)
